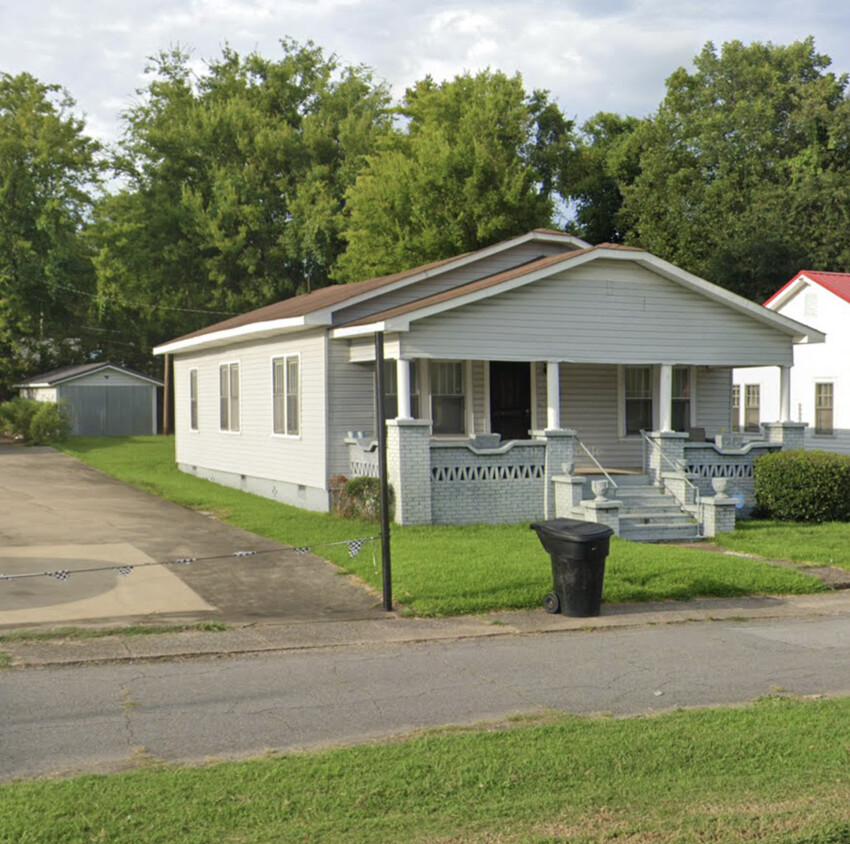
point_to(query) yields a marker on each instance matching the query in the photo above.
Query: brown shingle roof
(488, 281)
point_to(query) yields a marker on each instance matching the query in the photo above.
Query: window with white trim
(390, 389)
(638, 398)
(752, 402)
(824, 408)
(736, 407)
(286, 396)
(193, 399)
(448, 400)
(681, 398)
(228, 396)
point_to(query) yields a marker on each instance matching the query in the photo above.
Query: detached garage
(103, 399)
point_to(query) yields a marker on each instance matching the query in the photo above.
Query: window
(414, 389)
(752, 393)
(681, 398)
(736, 407)
(285, 396)
(638, 390)
(823, 408)
(228, 396)
(390, 389)
(448, 406)
(193, 399)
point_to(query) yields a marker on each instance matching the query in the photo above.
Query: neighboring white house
(103, 399)
(567, 352)
(819, 388)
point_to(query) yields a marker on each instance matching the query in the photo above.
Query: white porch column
(402, 368)
(784, 393)
(665, 390)
(553, 395)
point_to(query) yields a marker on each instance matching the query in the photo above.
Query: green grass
(776, 771)
(819, 544)
(442, 570)
(77, 633)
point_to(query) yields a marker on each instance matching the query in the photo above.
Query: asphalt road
(105, 717)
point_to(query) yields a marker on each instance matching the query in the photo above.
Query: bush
(16, 417)
(34, 422)
(803, 486)
(359, 498)
(49, 425)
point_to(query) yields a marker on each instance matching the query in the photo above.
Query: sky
(592, 55)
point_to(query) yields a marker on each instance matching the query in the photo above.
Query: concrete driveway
(57, 514)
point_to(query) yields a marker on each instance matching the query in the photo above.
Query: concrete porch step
(666, 514)
(660, 532)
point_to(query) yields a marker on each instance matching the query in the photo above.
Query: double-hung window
(752, 402)
(681, 398)
(638, 399)
(448, 404)
(823, 408)
(286, 396)
(193, 399)
(390, 390)
(228, 396)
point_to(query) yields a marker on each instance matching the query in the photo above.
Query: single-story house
(514, 374)
(103, 399)
(819, 388)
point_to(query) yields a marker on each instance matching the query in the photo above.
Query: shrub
(803, 486)
(49, 424)
(16, 416)
(359, 498)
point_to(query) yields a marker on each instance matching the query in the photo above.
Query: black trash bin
(578, 551)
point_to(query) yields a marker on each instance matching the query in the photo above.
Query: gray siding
(714, 400)
(255, 451)
(351, 404)
(605, 312)
(445, 281)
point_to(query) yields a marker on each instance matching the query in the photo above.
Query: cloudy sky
(591, 54)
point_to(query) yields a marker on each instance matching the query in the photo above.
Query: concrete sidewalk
(390, 628)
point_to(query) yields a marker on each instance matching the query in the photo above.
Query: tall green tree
(745, 168)
(48, 169)
(476, 159)
(234, 186)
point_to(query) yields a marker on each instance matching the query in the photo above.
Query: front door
(510, 399)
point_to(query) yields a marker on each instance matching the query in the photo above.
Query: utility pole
(380, 424)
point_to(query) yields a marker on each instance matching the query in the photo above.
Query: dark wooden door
(510, 399)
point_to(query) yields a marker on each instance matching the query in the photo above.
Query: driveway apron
(58, 515)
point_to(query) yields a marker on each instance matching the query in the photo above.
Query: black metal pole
(380, 424)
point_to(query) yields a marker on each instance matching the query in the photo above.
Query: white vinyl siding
(193, 399)
(228, 397)
(606, 312)
(286, 417)
(256, 452)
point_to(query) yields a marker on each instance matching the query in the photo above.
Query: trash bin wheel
(551, 603)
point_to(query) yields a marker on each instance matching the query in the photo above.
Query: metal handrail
(598, 464)
(676, 468)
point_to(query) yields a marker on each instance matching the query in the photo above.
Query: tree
(477, 160)
(234, 186)
(48, 168)
(607, 160)
(745, 168)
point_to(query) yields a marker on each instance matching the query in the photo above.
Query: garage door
(109, 411)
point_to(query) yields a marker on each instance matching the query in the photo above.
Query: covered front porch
(630, 445)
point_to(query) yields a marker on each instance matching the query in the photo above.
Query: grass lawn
(819, 544)
(774, 771)
(442, 570)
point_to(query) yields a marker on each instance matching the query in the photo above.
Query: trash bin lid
(572, 529)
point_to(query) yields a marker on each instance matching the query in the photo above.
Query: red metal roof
(837, 283)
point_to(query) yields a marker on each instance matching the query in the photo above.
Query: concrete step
(660, 532)
(667, 514)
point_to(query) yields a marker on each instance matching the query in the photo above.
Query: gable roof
(69, 373)
(399, 318)
(837, 283)
(317, 307)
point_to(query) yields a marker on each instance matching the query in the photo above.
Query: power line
(126, 304)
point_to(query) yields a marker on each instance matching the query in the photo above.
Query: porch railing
(599, 466)
(680, 469)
